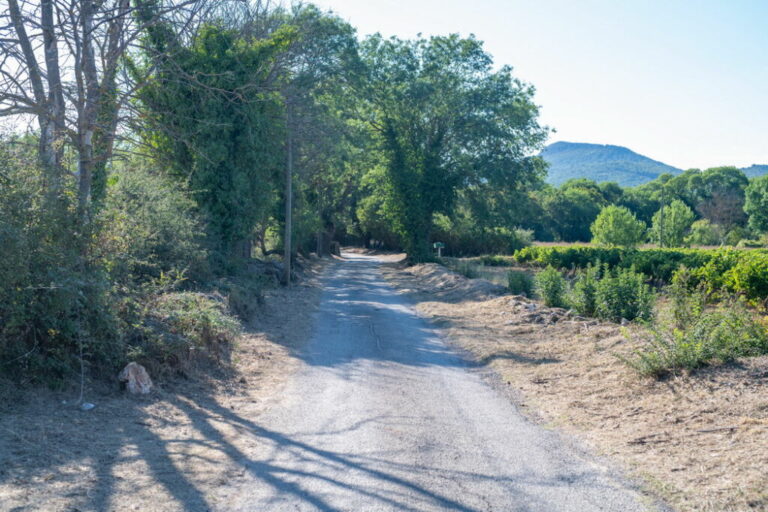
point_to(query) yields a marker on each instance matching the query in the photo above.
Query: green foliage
(756, 204)
(749, 276)
(148, 228)
(703, 232)
(445, 119)
(617, 226)
(463, 239)
(659, 264)
(180, 330)
(707, 336)
(520, 282)
(551, 287)
(53, 299)
(623, 294)
(573, 208)
(573, 256)
(495, 260)
(686, 301)
(671, 224)
(467, 269)
(222, 133)
(583, 294)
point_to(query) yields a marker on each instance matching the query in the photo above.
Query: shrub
(583, 296)
(148, 228)
(703, 232)
(749, 276)
(740, 272)
(551, 286)
(467, 269)
(181, 330)
(520, 283)
(623, 294)
(687, 302)
(710, 337)
(463, 238)
(54, 298)
(496, 260)
(617, 226)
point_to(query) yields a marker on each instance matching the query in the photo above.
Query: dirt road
(384, 416)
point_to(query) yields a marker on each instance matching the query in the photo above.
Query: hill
(755, 170)
(601, 162)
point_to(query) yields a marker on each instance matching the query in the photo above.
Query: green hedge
(736, 271)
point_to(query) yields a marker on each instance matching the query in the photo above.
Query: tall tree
(446, 120)
(214, 114)
(756, 204)
(671, 225)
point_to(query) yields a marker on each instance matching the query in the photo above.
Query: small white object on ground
(86, 406)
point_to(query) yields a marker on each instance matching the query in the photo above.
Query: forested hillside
(601, 163)
(606, 163)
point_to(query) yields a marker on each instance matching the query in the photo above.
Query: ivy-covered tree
(445, 120)
(213, 116)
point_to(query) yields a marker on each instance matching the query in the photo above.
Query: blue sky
(684, 82)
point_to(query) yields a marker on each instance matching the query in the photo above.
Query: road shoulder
(170, 451)
(565, 374)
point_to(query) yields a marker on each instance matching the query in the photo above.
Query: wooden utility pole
(288, 198)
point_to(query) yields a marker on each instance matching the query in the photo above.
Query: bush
(709, 337)
(54, 298)
(742, 272)
(465, 239)
(623, 294)
(749, 276)
(552, 286)
(687, 302)
(496, 260)
(148, 228)
(583, 296)
(181, 330)
(520, 283)
(467, 269)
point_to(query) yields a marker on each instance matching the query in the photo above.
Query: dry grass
(701, 441)
(179, 449)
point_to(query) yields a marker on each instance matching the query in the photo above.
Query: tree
(62, 63)
(671, 224)
(445, 120)
(573, 207)
(703, 232)
(756, 204)
(617, 226)
(213, 117)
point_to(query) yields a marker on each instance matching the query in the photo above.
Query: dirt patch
(701, 441)
(177, 449)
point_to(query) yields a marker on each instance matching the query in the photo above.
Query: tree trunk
(287, 249)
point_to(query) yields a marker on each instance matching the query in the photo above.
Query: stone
(136, 379)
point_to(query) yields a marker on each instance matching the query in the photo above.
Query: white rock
(136, 378)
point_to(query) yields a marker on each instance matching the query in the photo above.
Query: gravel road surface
(384, 416)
